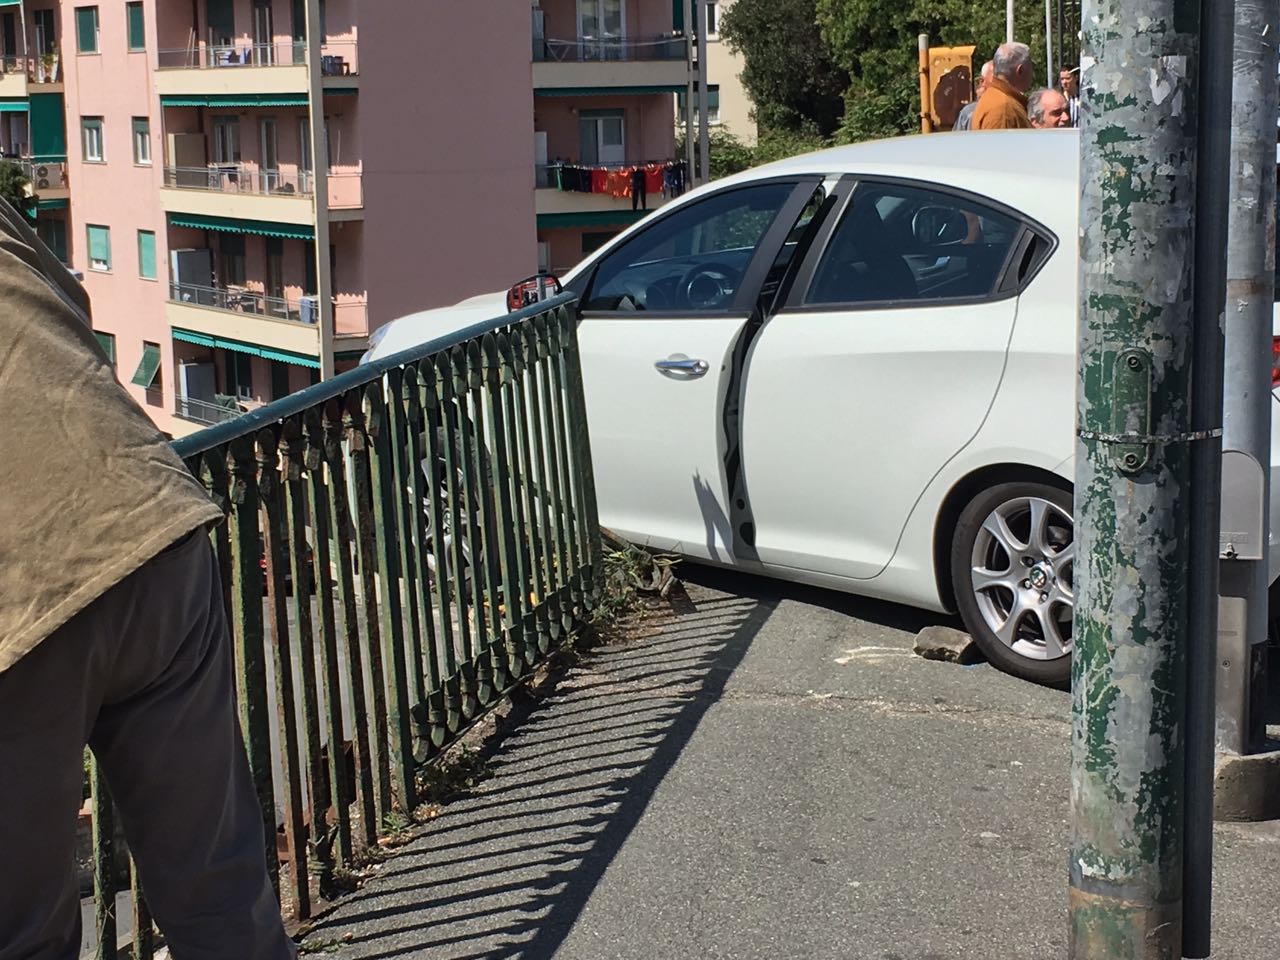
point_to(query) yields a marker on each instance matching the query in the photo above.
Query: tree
(875, 41)
(789, 72)
(14, 184)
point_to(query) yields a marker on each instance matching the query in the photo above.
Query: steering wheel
(709, 285)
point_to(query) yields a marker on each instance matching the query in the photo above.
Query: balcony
(644, 65)
(245, 315)
(48, 180)
(244, 68)
(205, 413)
(240, 192)
(551, 200)
(350, 318)
(13, 78)
(346, 195)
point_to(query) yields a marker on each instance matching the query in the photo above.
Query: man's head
(1048, 109)
(1069, 81)
(1013, 65)
(984, 78)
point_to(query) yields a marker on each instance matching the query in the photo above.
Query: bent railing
(403, 543)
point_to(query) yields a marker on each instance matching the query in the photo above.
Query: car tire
(1012, 558)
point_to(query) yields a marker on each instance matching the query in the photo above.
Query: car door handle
(694, 368)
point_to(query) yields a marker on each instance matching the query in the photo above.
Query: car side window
(692, 260)
(899, 244)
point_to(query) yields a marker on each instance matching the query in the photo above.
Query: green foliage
(789, 72)
(876, 42)
(13, 188)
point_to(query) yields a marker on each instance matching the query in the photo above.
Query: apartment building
(604, 72)
(250, 187)
(728, 105)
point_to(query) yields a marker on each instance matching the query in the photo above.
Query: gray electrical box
(1241, 535)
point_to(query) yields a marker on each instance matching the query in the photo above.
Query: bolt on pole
(1133, 469)
(1247, 395)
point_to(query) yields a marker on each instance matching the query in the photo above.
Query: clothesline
(634, 180)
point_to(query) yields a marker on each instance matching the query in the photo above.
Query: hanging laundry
(599, 180)
(620, 183)
(639, 189)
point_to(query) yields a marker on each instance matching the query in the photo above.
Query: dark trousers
(144, 676)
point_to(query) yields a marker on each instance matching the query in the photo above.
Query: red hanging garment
(599, 180)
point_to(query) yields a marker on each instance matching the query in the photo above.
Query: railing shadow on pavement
(507, 871)
(403, 544)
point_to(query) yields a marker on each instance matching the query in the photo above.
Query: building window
(107, 341)
(87, 29)
(591, 242)
(231, 259)
(279, 380)
(54, 234)
(239, 374)
(226, 140)
(99, 248)
(713, 19)
(713, 103)
(601, 137)
(137, 28)
(142, 141)
(146, 254)
(92, 139)
(147, 376)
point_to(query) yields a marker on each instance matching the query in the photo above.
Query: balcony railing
(350, 318)
(346, 191)
(404, 543)
(238, 53)
(209, 414)
(234, 178)
(338, 58)
(592, 49)
(238, 300)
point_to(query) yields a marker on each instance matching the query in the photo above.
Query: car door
(881, 366)
(660, 316)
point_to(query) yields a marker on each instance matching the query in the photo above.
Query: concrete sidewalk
(773, 775)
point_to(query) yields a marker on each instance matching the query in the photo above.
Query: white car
(854, 369)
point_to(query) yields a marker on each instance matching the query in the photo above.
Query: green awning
(341, 91)
(48, 128)
(14, 106)
(263, 228)
(9, 3)
(61, 203)
(595, 218)
(239, 346)
(607, 91)
(235, 100)
(148, 367)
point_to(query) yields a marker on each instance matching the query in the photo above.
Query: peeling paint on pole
(1139, 60)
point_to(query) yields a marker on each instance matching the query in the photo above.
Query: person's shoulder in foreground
(90, 488)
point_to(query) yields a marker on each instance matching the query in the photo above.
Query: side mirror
(541, 286)
(939, 226)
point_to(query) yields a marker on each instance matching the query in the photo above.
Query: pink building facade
(250, 187)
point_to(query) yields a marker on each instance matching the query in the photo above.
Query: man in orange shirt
(1004, 104)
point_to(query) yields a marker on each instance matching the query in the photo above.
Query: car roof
(1036, 171)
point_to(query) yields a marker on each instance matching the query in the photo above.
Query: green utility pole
(1142, 463)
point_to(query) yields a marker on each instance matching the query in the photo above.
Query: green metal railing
(403, 544)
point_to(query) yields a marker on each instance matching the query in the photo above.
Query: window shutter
(146, 254)
(87, 29)
(100, 244)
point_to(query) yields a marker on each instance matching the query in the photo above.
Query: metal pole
(691, 30)
(1061, 62)
(1008, 21)
(1133, 468)
(704, 123)
(1247, 402)
(926, 118)
(1048, 43)
(1213, 156)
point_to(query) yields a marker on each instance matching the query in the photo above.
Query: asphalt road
(773, 775)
